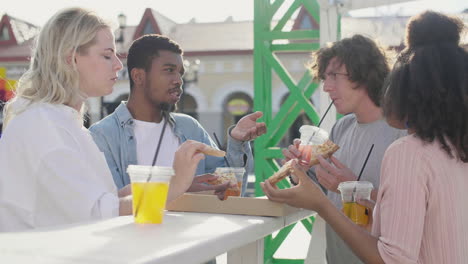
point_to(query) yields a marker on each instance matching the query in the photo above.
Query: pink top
(421, 215)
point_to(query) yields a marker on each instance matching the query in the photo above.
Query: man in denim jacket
(130, 135)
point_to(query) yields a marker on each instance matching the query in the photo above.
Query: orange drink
(352, 191)
(356, 212)
(234, 175)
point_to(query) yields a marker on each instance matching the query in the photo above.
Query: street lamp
(122, 19)
(190, 76)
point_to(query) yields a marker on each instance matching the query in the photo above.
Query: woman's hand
(186, 160)
(369, 204)
(305, 195)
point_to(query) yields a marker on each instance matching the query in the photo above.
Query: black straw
(326, 112)
(320, 122)
(365, 162)
(164, 108)
(219, 146)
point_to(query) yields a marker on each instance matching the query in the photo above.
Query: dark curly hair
(428, 87)
(365, 61)
(144, 49)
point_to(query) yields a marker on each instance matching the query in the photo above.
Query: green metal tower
(271, 39)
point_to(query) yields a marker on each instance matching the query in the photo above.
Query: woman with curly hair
(420, 215)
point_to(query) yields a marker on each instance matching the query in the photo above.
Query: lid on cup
(347, 185)
(358, 185)
(142, 173)
(230, 169)
(312, 135)
(364, 185)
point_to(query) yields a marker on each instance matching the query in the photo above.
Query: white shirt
(147, 137)
(52, 172)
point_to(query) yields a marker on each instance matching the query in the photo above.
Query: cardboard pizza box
(203, 203)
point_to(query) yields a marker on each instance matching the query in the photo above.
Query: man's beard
(167, 108)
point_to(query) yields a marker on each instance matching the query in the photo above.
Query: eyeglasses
(332, 75)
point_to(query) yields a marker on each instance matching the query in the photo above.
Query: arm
(307, 195)
(239, 151)
(186, 160)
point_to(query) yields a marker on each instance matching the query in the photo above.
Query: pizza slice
(282, 173)
(325, 150)
(213, 152)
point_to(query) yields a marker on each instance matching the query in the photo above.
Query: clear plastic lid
(358, 185)
(139, 173)
(312, 135)
(240, 170)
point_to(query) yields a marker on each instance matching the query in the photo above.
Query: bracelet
(292, 181)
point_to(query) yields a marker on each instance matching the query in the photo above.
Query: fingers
(296, 142)
(261, 128)
(327, 165)
(254, 116)
(299, 172)
(324, 178)
(205, 178)
(291, 153)
(271, 192)
(337, 162)
(367, 203)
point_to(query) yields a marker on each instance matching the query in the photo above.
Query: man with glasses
(353, 71)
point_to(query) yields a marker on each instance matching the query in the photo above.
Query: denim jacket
(115, 137)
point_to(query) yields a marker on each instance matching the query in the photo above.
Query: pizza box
(203, 203)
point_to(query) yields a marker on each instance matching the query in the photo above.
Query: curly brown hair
(365, 61)
(428, 87)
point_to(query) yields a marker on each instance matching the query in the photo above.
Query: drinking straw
(320, 122)
(365, 162)
(164, 108)
(326, 112)
(219, 146)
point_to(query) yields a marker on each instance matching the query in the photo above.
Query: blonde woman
(52, 171)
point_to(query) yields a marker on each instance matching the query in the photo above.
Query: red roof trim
(304, 13)
(218, 52)
(6, 22)
(15, 58)
(147, 16)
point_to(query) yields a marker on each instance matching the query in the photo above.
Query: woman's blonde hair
(52, 76)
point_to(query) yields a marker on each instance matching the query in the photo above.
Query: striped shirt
(421, 215)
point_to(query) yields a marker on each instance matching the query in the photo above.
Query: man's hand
(331, 175)
(199, 184)
(247, 128)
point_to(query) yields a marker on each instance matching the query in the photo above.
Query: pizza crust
(213, 152)
(325, 150)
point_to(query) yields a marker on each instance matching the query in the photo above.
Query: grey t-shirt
(355, 140)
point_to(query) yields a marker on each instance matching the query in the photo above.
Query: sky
(182, 11)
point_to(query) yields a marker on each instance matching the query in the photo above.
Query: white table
(182, 238)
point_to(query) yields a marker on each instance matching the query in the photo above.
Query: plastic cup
(310, 136)
(235, 175)
(149, 197)
(351, 191)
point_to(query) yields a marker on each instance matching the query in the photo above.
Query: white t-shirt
(52, 172)
(147, 137)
